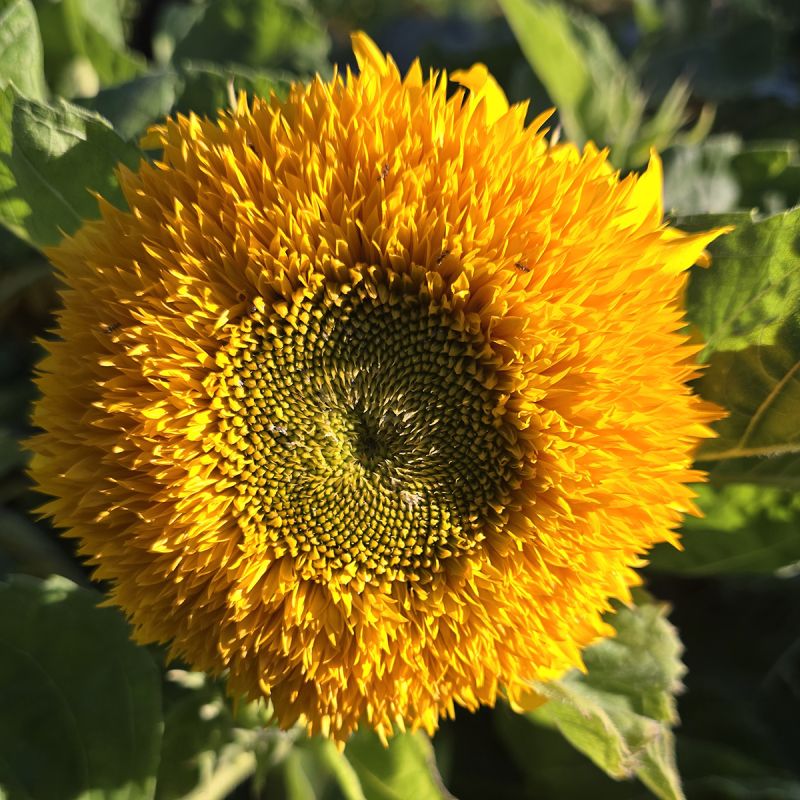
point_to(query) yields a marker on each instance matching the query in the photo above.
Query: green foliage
(132, 106)
(79, 702)
(85, 713)
(745, 528)
(21, 60)
(278, 34)
(619, 712)
(597, 94)
(746, 310)
(406, 770)
(84, 45)
(43, 147)
(724, 174)
(198, 726)
(207, 87)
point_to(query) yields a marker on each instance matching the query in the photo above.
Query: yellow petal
(368, 56)
(689, 248)
(483, 87)
(524, 699)
(646, 196)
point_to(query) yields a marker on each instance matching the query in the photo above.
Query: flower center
(364, 432)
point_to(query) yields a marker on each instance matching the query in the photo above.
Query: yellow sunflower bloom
(372, 399)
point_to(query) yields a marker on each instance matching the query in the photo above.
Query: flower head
(373, 398)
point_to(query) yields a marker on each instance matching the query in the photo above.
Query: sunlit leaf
(596, 92)
(620, 712)
(21, 60)
(51, 158)
(746, 308)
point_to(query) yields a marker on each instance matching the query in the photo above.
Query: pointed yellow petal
(483, 87)
(689, 248)
(524, 699)
(368, 55)
(648, 192)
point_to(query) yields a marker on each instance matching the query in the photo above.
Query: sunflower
(373, 399)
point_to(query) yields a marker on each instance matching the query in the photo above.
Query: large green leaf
(51, 158)
(619, 712)
(744, 529)
(746, 308)
(21, 60)
(80, 704)
(274, 34)
(84, 45)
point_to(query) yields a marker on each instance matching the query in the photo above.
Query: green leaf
(51, 158)
(744, 529)
(724, 174)
(620, 712)
(273, 34)
(573, 56)
(746, 308)
(84, 45)
(21, 60)
(80, 704)
(207, 86)
(405, 770)
(132, 106)
(597, 95)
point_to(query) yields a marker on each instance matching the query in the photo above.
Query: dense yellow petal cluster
(373, 398)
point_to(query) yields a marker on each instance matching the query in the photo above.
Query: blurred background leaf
(80, 705)
(278, 34)
(745, 529)
(21, 59)
(84, 46)
(597, 94)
